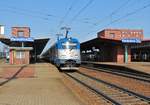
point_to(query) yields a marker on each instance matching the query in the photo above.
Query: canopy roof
(38, 44)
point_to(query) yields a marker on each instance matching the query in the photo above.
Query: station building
(119, 34)
(141, 52)
(19, 52)
(23, 49)
(109, 46)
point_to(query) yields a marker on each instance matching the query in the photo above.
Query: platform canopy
(38, 44)
(98, 42)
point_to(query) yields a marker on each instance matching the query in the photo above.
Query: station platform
(143, 67)
(34, 84)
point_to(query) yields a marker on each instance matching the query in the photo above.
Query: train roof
(66, 39)
(61, 41)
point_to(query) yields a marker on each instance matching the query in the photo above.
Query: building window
(123, 32)
(140, 32)
(112, 35)
(134, 32)
(20, 54)
(83, 52)
(20, 33)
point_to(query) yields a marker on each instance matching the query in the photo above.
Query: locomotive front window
(69, 45)
(72, 47)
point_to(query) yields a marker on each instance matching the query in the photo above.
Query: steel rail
(124, 74)
(99, 92)
(118, 87)
(95, 90)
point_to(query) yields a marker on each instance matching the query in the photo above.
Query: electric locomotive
(65, 54)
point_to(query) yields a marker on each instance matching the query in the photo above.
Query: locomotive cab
(68, 54)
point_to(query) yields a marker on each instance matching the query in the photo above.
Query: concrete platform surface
(44, 88)
(138, 66)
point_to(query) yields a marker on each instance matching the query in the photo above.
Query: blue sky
(84, 17)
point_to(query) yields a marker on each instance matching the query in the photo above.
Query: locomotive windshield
(69, 45)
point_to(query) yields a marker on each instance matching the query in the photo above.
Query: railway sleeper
(133, 102)
(113, 93)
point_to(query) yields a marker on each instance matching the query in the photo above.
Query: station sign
(131, 40)
(22, 39)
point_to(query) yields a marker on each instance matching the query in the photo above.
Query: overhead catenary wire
(119, 8)
(67, 13)
(125, 16)
(32, 11)
(65, 16)
(35, 12)
(129, 14)
(106, 17)
(81, 10)
(115, 11)
(24, 14)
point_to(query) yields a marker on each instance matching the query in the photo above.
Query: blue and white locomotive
(65, 54)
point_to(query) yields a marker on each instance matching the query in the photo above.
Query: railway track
(114, 94)
(137, 76)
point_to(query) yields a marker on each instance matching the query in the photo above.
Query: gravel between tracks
(87, 96)
(131, 84)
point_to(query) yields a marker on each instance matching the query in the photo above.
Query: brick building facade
(21, 32)
(20, 54)
(119, 34)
